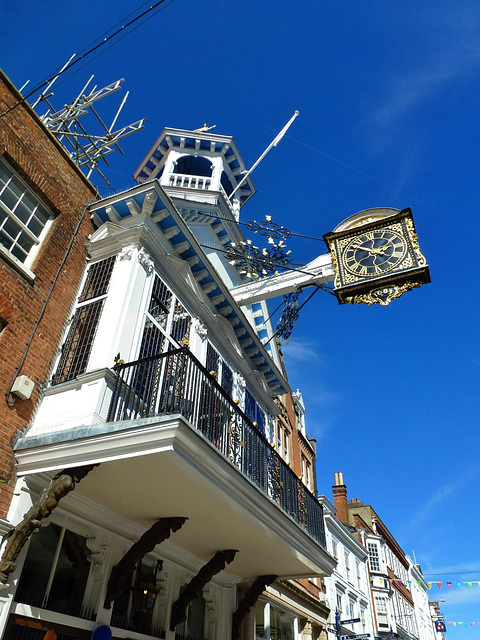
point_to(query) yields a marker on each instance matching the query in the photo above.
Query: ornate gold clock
(376, 257)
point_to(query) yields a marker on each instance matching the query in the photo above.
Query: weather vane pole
(272, 144)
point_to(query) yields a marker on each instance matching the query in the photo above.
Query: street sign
(358, 636)
(330, 630)
(350, 621)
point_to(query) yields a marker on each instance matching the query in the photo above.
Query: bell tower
(200, 172)
(199, 168)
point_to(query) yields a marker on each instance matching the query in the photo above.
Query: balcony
(171, 442)
(200, 183)
(177, 383)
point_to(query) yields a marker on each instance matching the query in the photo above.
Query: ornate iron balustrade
(177, 383)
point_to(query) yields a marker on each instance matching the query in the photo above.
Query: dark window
(55, 572)
(254, 412)
(192, 166)
(78, 345)
(77, 348)
(194, 626)
(227, 379)
(133, 609)
(98, 279)
(181, 325)
(212, 360)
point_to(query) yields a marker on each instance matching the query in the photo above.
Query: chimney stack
(340, 497)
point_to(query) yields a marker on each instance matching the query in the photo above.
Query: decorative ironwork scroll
(196, 584)
(302, 507)
(269, 229)
(254, 262)
(289, 316)
(275, 485)
(236, 441)
(249, 600)
(60, 485)
(121, 575)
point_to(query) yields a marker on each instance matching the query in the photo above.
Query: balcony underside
(160, 467)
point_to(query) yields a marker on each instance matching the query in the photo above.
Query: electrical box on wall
(23, 387)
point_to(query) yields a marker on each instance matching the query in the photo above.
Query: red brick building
(43, 226)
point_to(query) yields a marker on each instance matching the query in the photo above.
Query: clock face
(374, 253)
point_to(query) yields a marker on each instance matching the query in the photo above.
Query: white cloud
(449, 51)
(301, 351)
(423, 513)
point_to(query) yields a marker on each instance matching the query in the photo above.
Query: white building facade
(347, 590)
(158, 504)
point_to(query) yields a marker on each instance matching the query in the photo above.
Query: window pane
(227, 379)
(22, 213)
(71, 574)
(260, 622)
(19, 202)
(281, 625)
(98, 279)
(181, 325)
(4, 176)
(16, 187)
(36, 226)
(77, 347)
(37, 567)
(160, 301)
(9, 198)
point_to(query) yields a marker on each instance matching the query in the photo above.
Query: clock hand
(376, 251)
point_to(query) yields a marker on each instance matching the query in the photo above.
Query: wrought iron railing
(176, 382)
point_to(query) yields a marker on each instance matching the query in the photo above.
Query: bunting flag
(439, 585)
(469, 583)
(463, 624)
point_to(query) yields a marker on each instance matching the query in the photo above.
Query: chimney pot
(340, 499)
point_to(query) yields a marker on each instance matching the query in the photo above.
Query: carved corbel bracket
(196, 584)
(248, 601)
(60, 485)
(121, 575)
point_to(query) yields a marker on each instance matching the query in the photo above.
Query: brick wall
(45, 166)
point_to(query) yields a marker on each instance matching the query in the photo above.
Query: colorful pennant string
(469, 583)
(430, 585)
(463, 624)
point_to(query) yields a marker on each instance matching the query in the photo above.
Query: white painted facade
(165, 444)
(423, 614)
(347, 589)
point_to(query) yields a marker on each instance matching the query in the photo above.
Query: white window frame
(23, 230)
(335, 548)
(382, 613)
(373, 556)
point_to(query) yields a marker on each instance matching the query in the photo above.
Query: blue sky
(389, 102)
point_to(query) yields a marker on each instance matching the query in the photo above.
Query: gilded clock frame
(410, 272)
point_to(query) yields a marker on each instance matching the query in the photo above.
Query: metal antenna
(43, 95)
(87, 148)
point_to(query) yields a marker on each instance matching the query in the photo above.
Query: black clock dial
(374, 253)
